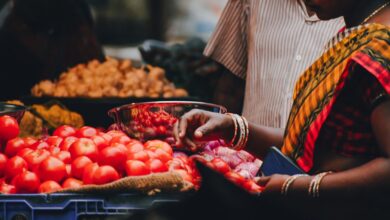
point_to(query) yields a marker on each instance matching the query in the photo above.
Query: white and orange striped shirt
(270, 43)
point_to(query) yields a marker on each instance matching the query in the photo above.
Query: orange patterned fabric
(318, 88)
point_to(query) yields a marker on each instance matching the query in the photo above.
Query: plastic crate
(77, 206)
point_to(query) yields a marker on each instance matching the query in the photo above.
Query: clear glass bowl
(16, 111)
(155, 120)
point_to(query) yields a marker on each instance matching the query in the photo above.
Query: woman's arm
(198, 124)
(369, 180)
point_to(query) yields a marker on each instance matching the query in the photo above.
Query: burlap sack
(149, 184)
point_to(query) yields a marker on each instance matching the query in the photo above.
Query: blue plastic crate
(74, 206)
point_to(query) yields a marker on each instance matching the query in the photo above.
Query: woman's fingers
(176, 134)
(262, 181)
(206, 129)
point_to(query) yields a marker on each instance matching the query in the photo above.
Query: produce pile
(111, 78)
(73, 158)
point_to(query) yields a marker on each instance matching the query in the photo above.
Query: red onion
(245, 156)
(232, 161)
(211, 145)
(224, 152)
(252, 168)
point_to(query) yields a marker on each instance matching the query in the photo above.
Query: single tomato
(67, 142)
(220, 165)
(89, 173)
(7, 189)
(64, 156)
(100, 142)
(114, 156)
(156, 166)
(9, 128)
(26, 182)
(14, 146)
(35, 158)
(155, 144)
(49, 187)
(136, 168)
(52, 169)
(84, 147)
(141, 156)
(14, 166)
(135, 146)
(79, 165)
(120, 139)
(72, 183)
(64, 131)
(3, 163)
(86, 132)
(30, 142)
(163, 155)
(105, 174)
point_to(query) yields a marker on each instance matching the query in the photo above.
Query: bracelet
(246, 130)
(235, 129)
(286, 185)
(314, 186)
(242, 133)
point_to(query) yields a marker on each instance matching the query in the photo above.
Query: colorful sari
(319, 87)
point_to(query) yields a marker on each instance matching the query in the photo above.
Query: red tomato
(9, 128)
(40, 145)
(52, 169)
(30, 142)
(134, 146)
(136, 168)
(252, 187)
(54, 141)
(14, 166)
(72, 183)
(54, 150)
(114, 156)
(49, 187)
(26, 182)
(64, 131)
(154, 144)
(36, 157)
(105, 174)
(100, 142)
(235, 178)
(7, 189)
(67, 142)
(141, 156)
(24, 152)
(120, 139)
(151, 154)
(84, 147)
(115, 133)
(89, 173)
(185, 175)
(64, 156)
(3, 162)
(14, 146)
(156, 166)
(106, 137)
(163, 156)
(220, 165)
(79, 165)
(86, 132)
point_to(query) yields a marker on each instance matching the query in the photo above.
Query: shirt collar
(309, 16)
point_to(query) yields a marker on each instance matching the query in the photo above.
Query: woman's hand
(202, 125)
(272, 184)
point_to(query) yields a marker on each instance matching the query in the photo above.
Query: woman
(340, 119)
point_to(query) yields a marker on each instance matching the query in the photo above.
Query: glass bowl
(155, 120)
(16, 111)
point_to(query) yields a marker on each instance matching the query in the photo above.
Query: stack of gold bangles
(314, 187)
(241, 132)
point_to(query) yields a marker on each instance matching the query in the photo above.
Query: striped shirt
(269, 43)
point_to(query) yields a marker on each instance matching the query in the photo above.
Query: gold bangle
(288, 182)
(235, 129)
(318, 182)
(247, 132)
(242, 132)
(311, 186)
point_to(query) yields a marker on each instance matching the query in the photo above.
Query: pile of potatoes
(111, 78)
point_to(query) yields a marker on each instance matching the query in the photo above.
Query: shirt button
(298, 58)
